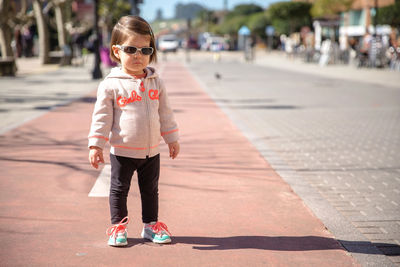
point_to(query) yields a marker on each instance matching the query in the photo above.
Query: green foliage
(112, 10)
(288, 17)
(390, 15)
(204, 20)
(285, 10)
(239, 16)
(322, 8)
(244, 10)
(258, 22)
(205, 15)
(231, 26)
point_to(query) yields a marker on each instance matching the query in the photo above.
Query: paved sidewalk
(279, 60)
(380, 77)
(333, 141)
(221, 200)
(32, 65)
(38, 89)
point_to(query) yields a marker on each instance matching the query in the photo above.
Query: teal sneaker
(157, 233)
(118, 235)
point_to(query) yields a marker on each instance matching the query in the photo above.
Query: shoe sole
(166, 241)
(118, 245)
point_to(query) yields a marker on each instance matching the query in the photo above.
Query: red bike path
(223, 203)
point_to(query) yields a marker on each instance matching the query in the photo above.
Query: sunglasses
(147, 51)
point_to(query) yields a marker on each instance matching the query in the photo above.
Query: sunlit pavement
(221, 199)
(331, 133)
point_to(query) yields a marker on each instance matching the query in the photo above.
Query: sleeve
(169, 127)
(102, 118)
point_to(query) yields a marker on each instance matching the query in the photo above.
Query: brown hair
(125, 27)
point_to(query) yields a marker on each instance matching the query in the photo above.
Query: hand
(173, 149)
(96, 156)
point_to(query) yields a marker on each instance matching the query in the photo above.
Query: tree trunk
(5, 42)
(5, 29)
(62, 40)
(44, 45)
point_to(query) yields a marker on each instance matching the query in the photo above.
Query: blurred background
(360, 33)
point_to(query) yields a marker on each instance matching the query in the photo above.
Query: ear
(115, 51)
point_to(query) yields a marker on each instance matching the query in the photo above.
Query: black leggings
(122, 170)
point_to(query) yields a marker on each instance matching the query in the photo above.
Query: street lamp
(96, 73)
(376, 17)
(135, 7)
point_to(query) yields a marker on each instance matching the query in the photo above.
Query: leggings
(122, 169)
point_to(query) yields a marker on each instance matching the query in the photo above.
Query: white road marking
(101, 187)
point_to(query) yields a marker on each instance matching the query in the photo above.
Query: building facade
(359, 20)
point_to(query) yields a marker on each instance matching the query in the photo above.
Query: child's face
(133, 64)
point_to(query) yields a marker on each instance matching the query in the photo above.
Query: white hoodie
(132, 114)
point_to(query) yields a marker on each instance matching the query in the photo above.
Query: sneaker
(118, 235)
(157, 233)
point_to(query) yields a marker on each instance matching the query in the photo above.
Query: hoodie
(132, 114)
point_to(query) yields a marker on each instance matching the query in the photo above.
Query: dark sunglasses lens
(130, 49)
(147, 51)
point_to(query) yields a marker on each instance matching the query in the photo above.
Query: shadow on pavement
(266, 107)
(279, 243)
(26, 218)
(51, 162)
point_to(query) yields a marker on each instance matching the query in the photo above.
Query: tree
(289, 17)
(390, 15)
(44, 46)
(232, 25)
(205, 20)
(110, 11)
(326, 8)
(239, 16)
(258, 22)
(59, 8)
(244, 10)
(6, 13)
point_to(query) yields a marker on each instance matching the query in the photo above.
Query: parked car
(215, 43)
(168, 43)
(191, 43)
(218, 44)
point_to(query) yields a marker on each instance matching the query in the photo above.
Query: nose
(137, 54)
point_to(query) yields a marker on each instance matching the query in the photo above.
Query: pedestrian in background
(27, 41)
(132, 104)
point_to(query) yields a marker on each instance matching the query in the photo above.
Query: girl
(132, 112)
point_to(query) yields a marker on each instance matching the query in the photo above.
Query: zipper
(148, 118)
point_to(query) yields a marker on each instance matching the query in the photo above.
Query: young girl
(132, 112)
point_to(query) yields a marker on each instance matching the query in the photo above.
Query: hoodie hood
(118, 73)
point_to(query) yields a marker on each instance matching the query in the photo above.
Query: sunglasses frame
(122, 48)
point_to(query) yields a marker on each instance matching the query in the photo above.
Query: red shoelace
(158, 227)
(118, 227)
